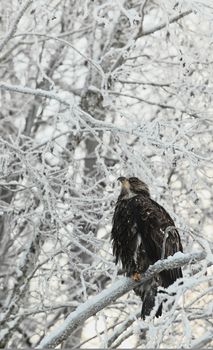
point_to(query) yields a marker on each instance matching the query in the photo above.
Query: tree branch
(67, 43)
(152, 103)
(15, 24)
(142, 33)
(108, 296)
(121, 329)
(163, 25)
(31, 91)
(202, 341)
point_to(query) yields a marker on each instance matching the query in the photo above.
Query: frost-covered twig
(202, 341)
(4, 334)
(26, 265)
(124, 336)
(65, 42)
(108, 296)
(121, 328)
(163, 25)
(142, 33)
(15, 24)
(31, 91)
(153, 103)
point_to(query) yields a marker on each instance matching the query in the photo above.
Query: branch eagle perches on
(108, 296)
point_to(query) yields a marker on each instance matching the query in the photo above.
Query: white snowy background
(89, 91)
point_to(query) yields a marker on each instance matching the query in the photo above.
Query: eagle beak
(121, 179)
(124, 181)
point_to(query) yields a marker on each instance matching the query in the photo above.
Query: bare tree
(91, 90)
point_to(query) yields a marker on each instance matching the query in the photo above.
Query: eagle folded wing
(161, 236)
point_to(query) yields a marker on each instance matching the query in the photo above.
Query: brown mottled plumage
(142, 233)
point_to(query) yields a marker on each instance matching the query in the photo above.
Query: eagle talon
(136, 276)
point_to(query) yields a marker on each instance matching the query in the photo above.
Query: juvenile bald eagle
(142, 233)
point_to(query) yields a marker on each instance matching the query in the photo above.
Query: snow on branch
(15, 24)
(163, 25)
(108, 296)
(202, 341)
(30, 91)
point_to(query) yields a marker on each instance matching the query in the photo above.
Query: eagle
(142, 233)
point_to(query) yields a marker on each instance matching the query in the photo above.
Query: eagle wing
(126, 240)
(159, 234)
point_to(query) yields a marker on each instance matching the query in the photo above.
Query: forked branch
(108, 296)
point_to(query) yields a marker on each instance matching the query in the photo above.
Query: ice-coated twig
(13, 28)
(202, 341)
(108, 296)
(163, 25)
(65, 42)
(24, 269)
(31, 91)
(123, 337)
(121, 328)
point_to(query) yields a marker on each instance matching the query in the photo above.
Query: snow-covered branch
(108, 296)
(121, 329)
(14, 25)
(163, 25)
(31, 91)
(202, 341)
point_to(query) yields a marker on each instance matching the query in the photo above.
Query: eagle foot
(136, 276)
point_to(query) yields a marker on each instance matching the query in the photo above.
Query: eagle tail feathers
(148, 304)
(148, 293)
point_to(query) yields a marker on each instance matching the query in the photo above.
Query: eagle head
(132, 186)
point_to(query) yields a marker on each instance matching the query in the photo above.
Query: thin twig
(15, 24)
(67, 43)
(163, 25)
